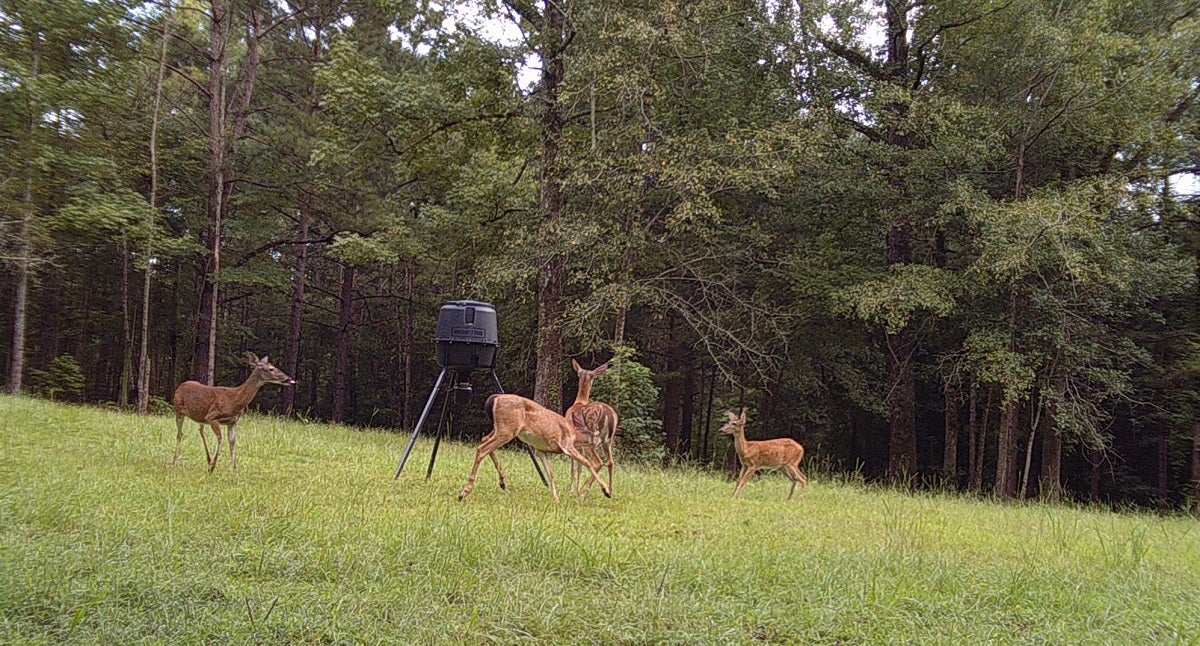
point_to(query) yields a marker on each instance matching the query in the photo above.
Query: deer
(595, 424)
(544, 430)
(753, 455)
(217, 405)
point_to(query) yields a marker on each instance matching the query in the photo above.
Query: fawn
(782, 452)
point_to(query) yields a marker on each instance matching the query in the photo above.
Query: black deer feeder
(467, 341)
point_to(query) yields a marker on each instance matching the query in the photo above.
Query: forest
(941, 243)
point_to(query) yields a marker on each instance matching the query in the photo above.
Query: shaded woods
(949, 243)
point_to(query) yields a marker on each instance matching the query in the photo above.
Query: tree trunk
(291, 360)
(21, 298)
(220, 157)
(902, 426)
(548, 380)
(902, 436)
(299, 277)
(143, 376)
(204, 353)
(126, 378)
(974, 441)
(406, 343)
(672, 394)
(1194, 469)
(1095, 458)
(341, 352)
(16, 372)
(1009, 417)
(953, 429)
(1034, 424)
(1050, 484)
(1164, 468)
(687, 411)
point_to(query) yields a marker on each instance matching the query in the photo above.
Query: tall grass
(102, 541)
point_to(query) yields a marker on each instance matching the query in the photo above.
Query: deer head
(736, 423)
(586, 377)
(266, 371)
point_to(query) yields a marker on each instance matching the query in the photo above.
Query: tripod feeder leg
(420, 422)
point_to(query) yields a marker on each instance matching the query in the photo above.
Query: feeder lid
(467, 322)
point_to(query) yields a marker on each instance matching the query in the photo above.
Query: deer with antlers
(217, 405)
(754, 455)
(595, 424)
(544, 430)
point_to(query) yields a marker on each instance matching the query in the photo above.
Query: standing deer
(544, 430)
(217, 405)
(596, 423)
(782, 452)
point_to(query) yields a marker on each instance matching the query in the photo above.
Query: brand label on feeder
(471, 332)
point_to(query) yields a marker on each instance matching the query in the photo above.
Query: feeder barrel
(467, 335)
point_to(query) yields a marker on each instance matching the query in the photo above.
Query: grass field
(102, 541)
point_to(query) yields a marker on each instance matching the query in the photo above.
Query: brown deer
(544, 430)
(783, 452)
(217, 405)
(596, 424)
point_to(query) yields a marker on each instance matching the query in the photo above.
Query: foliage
(62, 378)
(628, 387)
(852, 237)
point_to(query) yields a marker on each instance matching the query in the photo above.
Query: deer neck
(739, 442)
(245, 393)
(583, 395)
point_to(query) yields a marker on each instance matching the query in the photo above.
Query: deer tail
(489, 405)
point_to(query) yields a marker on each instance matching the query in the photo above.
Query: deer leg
(797, 477)
(574, 478)
(575, 455)
(593, 456)
(746, 473)
(499, 469)
(204, 438)
(178, 437)
(490, 443)
(608, 454)
(217, 453)
(577, 472)
(601, 462)
(232, 441)
(545, 458)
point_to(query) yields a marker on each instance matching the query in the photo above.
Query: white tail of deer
(783, 452)
(544, 430)
(596, 426)
(217, 405)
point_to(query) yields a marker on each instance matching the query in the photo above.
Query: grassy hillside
(101, 540)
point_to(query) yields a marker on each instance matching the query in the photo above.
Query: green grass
(102, 541)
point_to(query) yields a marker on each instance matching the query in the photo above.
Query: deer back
(202, 403)
(596, 420)
(775, 452)
(536, 425)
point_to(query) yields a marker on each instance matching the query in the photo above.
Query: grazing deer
(596, 423)
(782, 452)
(544, 430)
(217, 405)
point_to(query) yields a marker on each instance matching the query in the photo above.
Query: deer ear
(264, 360)
(251, 357)
(732, 416)
(575, 365)
(600, 370)
(743, 417)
